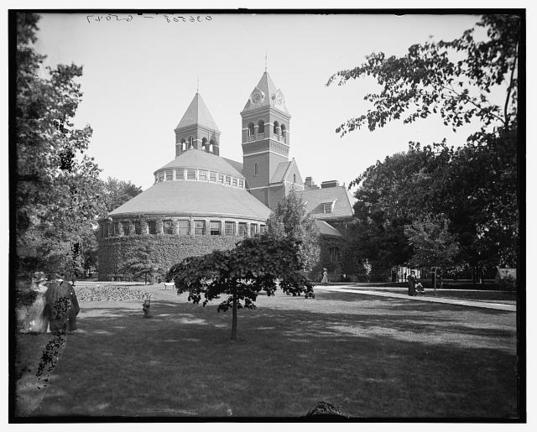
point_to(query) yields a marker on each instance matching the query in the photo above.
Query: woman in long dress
(37, 320)
(324, 280)
(61, 306)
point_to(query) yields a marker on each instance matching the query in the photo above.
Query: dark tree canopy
(261, 263)
(57, 184)
(474, 186)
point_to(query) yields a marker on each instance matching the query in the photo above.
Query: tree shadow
(181, 362)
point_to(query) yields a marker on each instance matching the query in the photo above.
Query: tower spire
(198, 84)
(266, 61)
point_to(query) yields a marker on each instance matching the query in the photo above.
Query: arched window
(251, 129)
(276, 128)
(183, 144)
(204, 146)
(294, 178)
(190, 142)
(255, 169)
(211, 145)
(260, 126)
(284, 132)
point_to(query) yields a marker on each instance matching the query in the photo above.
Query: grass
(370, 357)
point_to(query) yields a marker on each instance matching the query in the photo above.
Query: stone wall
(166, 250)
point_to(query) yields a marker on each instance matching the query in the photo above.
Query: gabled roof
(314, 199)
(279, 174)
(193, 198)
(271, 96)
(326, 229)
(284, 170)
(194, 158)
(197, 113)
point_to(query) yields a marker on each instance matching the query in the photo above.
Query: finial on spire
(198, 85)
(266, 61)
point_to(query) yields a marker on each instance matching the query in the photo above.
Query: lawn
(370, 357)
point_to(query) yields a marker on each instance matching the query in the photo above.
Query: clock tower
(265, 142)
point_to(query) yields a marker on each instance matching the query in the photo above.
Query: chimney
(329, 184)
(308, 183)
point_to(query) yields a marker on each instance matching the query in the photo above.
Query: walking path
(469, 303)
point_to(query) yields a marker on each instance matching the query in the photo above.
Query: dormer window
(328, 207)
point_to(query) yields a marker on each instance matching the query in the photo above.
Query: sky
(140, 76)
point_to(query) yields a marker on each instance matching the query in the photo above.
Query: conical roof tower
(197, 129)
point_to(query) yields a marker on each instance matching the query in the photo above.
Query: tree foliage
(451, 78)
(57, 184)
(141, 264)
(474, 186)
(434, 246)
(290, 220)
(117, 192)
(260, 263)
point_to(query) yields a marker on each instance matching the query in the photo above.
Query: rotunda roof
(194, 158)
(193, 198)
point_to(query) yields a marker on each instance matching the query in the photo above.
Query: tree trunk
(234, 319)
(435, 277)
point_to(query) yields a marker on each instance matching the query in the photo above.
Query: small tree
(434, 246)
(257, 264)
(141, 264)
(291, 220)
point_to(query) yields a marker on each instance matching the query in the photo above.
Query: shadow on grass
(370, 362)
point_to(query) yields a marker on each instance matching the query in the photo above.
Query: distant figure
(411, 280)
(146, 306)
(61, 306)
(324, 280)
(419, 288)
(37, 320)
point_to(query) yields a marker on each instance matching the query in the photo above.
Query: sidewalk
(468, 303)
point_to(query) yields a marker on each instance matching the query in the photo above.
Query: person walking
(324, 280)
(411, 281)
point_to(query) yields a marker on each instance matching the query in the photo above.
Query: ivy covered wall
(166, 250)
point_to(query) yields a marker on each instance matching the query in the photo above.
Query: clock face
(257, 96)
(279, 100)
